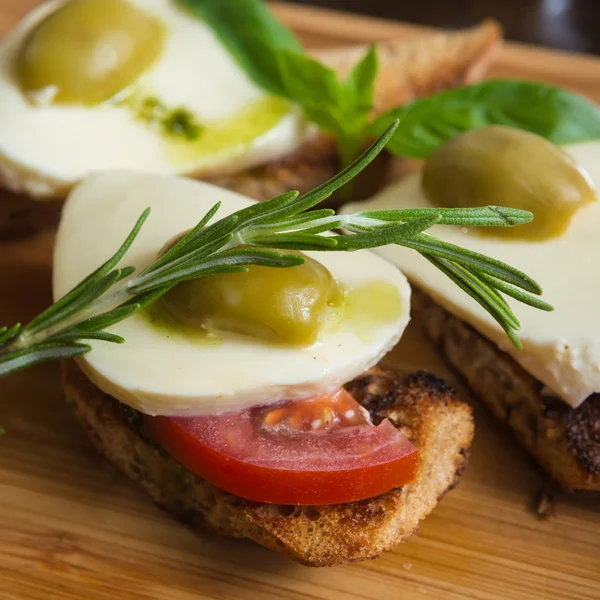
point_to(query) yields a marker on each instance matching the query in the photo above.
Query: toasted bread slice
(564, 440)
(408, 70)
(411, 70)
(423, 406)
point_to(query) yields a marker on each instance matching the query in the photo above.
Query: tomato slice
(323, 450)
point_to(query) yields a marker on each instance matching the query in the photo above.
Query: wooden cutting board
(72, 527)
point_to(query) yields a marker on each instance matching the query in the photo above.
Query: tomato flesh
(323, 450)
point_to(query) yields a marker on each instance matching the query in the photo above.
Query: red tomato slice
(323, 450)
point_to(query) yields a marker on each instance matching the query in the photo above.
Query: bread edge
(313, 536)
(541, 424)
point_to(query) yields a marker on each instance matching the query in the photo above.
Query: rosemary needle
(252, 236)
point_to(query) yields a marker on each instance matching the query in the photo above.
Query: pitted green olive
(508, 167)
(88, 50)
(281, 305)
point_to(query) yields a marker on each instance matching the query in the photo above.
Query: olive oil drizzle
(367, 307)
(187, 138)
(230, 134)
(176, 122)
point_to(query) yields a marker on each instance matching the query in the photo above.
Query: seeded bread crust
(407, 70)
(421, 405)
(564, 440)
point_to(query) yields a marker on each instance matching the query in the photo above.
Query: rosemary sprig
(251, 237)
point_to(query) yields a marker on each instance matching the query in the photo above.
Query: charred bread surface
(421, 405)
(564, 440)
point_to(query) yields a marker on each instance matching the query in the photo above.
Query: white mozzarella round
(46, 148)
(560, 348)
(173, 374)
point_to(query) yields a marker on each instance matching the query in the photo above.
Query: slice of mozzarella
(46, 148)
(171, 373)
(560, 348)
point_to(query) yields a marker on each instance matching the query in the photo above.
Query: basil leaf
(555, 114)
(359, 91)
(314, 86)
(359, 87)
(341, 108)
(274, 59)
(251, 34)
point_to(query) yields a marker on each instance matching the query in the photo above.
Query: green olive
(88, 50)
(508, 167)
(277, 305)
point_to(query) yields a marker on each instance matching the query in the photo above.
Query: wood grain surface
(72, 527)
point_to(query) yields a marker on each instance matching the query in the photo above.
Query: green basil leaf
(274, 59)
(339, 108)
(251, 34)
(358, 97)
(557, 115)
(359, 87)
(315, 87)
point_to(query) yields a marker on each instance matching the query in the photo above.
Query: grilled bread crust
(407, 70)
(421, 405)
(565, 441)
